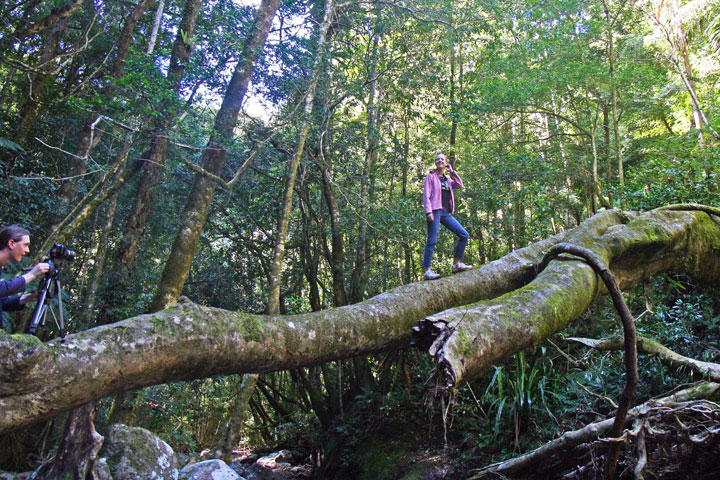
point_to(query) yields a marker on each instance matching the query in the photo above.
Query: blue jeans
(442, 216)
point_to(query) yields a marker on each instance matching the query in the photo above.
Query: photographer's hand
(37, 271)
(30, 297)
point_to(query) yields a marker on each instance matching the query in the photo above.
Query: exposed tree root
(672, 431)
(689, 207)
(78, 448)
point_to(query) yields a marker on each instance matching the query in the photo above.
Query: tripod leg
(40, 308)
(61, 323)
(38, 318)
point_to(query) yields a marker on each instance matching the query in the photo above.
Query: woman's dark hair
(14, 233)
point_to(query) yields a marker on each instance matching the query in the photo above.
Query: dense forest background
(121, 134)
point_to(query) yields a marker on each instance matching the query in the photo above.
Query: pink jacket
(432, 194)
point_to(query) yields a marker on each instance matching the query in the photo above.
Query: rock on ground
(209, 470)
(134, 453)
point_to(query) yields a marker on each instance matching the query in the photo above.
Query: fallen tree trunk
(189, 341)
(466, 341)
(569, 449)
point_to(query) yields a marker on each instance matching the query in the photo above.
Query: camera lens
(60, 252)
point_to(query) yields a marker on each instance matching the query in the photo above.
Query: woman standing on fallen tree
(439, 203)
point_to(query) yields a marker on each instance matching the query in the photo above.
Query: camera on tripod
(49, 289)
(61, 252)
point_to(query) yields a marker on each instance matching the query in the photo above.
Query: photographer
(15, 244)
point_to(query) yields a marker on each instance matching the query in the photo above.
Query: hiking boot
(460, 267)
(430, 275)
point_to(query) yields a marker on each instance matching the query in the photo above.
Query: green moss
(29, 340)
(253, 327)
(705, 390)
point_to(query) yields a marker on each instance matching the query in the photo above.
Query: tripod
(49, 289)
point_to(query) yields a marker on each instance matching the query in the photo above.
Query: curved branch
(708, 370)
(629, 344)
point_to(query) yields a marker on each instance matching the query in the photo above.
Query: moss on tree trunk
(468, 340)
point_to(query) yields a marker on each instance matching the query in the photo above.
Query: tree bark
(98, 268)
(112, 180)
(358, 277)
(238, 413)
(310, 256)
(152, 163)
(78, 448)
(39, 83)
(198, 204)
(78, 164)
(126, 35)
(336, 257)
(56, 15)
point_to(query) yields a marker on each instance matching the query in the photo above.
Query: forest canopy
(267, 158)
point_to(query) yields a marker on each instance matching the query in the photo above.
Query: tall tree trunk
(56, 16)
(152, 164)
(336, 258)
(124, 41)
(39, 83)
(90, 292)
(453, 106)
(456, 83)
(408, 272)
(310, 260)
(198, 204)
(78, 164)
(79, 445)
(358, 277)
(273, 307)
(606, 149)
(614, 101)
(112, 180)
(238, 413)
(156, 26)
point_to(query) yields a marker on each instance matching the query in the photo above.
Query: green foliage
(518, 395)
(10, 145)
